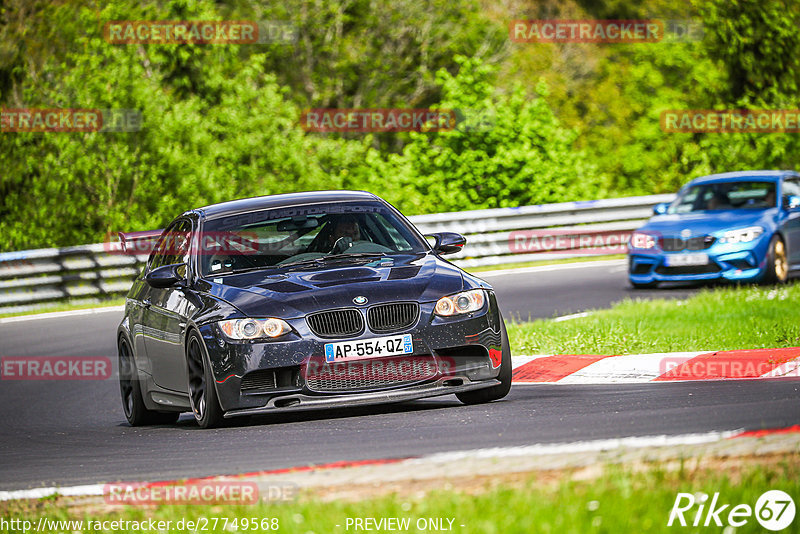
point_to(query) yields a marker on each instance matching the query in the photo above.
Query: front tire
(777, 269)
(202, 393)
(130, 389)
(501, 390)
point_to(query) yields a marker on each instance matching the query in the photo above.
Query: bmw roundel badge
(361, 299)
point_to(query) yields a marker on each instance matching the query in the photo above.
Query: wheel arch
(194, 328)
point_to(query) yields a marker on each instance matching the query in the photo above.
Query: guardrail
(31, 278)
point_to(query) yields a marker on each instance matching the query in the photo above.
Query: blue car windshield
(314, 234)
(725, 196)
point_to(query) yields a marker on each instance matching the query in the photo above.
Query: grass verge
(619, 499)
(724, 318)
(503, 266)
(66, 306)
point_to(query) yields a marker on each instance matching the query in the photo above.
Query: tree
(514, 152)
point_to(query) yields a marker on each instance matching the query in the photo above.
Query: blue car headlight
(460, 303)
(642, 240)
(239, 329)
(743, 235)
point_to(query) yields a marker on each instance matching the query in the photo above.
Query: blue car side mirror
(792, 202)
(660, 208)
(447, 242)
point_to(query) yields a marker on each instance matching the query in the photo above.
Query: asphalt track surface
(564, 289)
(74, 432)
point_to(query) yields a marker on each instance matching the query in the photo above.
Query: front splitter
(299, 402)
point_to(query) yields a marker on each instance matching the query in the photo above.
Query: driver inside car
(344, 227)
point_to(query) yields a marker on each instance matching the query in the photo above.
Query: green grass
(621, 500)
(66, 306)
(543, 262)
(723, 318)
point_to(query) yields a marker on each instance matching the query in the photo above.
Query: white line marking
(633, 368)
(570, 317)
(57, 315)
(554, 267)
(579, 446)
(40, 493)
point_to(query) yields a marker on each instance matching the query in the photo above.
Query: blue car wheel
(777, 270)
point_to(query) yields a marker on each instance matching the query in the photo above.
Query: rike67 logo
(774, 510)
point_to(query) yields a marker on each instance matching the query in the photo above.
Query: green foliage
(215, 128)
(757, 43)
(568, 121)
(511, 150)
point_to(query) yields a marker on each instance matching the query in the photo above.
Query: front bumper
(300, 402)
(741, 262)
(461, 351)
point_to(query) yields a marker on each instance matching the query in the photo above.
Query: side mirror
(166, 275)
(660, 208)
(447, 242)
(791, 202)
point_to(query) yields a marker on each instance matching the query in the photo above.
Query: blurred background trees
(557, 122)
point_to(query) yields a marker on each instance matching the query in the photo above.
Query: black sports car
(304, 301)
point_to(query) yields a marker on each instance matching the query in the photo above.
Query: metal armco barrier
(30, 278)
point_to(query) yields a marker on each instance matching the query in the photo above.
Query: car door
(135, 304)
(141, 320)
(166, 312)
(791, 222)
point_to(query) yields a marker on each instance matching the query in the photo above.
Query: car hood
(297, 292)
(702, 223)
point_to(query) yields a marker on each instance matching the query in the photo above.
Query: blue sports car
(737, 226)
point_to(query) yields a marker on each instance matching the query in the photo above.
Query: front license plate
(369, 348)
(685, 260)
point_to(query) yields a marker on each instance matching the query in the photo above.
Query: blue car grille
(674, 244)
(392, 317)
(689, 269)
(336, 323)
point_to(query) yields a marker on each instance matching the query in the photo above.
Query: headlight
(254, 328)
(465, 302)
(745, 235)
(640, 240)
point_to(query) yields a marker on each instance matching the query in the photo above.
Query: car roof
(762, 175)
(244, 205)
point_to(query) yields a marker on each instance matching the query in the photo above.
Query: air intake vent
(689, 269)
(391, 317)
(336, 323)
(379, 373)
(264, 379)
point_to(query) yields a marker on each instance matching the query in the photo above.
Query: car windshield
(315, 234)
(725, 196)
